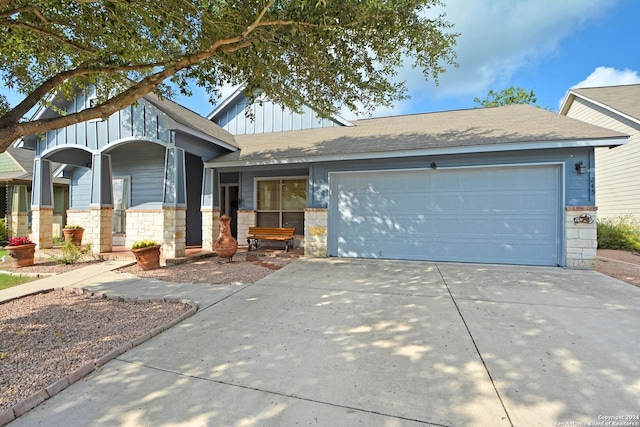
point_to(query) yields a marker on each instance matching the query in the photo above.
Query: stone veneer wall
(246, 219)
(19, 224)
(99, 231)
(581, 238)
(175, 232)
(210, 227)
(41, 227)
(144, 225)
(166, 226)
(315, 232)
(82, 218)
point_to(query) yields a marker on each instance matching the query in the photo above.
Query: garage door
(505, 215)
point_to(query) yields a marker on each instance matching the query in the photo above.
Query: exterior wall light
(581, 168)
(433, 165)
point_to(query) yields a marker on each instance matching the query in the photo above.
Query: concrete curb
(51, 390)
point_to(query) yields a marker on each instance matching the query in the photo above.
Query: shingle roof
(513, 124)
(191, 119)
(24, 158)
(624, 99)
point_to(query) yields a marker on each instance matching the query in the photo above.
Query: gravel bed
(45, 337)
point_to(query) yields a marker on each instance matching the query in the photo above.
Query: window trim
(280, 211)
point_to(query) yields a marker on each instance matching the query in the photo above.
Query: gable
(265, 116)
(623, 100)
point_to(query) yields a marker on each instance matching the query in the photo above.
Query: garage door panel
(502, 215)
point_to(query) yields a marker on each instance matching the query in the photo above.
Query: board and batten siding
(141, 120)
(617, 169)
(267, 117)
(144, 163)
(80, 189)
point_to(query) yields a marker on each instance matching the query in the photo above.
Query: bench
(257, 234)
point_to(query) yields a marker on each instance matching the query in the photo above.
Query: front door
(229, 205)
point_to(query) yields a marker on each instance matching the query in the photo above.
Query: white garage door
(506, 215)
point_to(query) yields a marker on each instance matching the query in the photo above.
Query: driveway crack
(486, 368)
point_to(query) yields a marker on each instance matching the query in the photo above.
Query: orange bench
(257, 234)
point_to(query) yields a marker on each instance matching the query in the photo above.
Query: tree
(511, 95)
(325, 53)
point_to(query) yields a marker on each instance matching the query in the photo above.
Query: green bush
(70, 253)
(143, 244)
(619, 232)
(4, 233)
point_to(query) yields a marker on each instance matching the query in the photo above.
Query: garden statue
(225, 246)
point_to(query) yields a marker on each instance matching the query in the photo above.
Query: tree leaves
(325, 53)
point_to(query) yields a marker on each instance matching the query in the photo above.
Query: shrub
(619, 232)
(73, 227)
(4, 233)
(70, 253)
(143, 244)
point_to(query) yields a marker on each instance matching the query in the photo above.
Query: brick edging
(51, 390)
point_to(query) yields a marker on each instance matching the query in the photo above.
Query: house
(16, 175)
(617, 172)
(136, 175)
(495, 185)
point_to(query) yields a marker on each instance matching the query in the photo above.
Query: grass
(7, 281)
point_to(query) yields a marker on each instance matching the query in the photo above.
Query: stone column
(99, 231)
(581, 237)
(315, 232)
(19, 221)
(175, 225)
(42, 204)
(210, 227)
(41, 227)
(246, 219)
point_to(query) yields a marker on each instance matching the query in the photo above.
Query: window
(281, 203)
(121, 191)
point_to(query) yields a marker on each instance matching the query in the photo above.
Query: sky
(548, 46)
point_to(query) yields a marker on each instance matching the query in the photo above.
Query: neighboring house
(16, 174)
(493, 185)
(617, 171)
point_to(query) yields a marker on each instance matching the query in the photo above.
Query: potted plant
(22, 251)
(147, 253)
(74, 233)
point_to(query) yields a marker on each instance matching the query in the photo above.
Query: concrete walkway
(343, 342)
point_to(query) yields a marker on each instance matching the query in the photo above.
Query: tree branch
(11, 22)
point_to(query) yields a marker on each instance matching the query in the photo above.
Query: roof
(624, 100)
(23, 171)
(191, 120)
(512, 127)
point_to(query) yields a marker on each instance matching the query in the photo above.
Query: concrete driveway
(344, 342)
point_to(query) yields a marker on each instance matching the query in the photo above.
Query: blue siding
(80, 194)
(144, 162)
(97, 134)
(268, 117)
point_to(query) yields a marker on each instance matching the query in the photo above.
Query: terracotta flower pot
(22, 255)
(75, 234)
(148, 258)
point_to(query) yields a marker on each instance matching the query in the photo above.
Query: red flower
(17, 241)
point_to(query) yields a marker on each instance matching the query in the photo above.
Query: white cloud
(500, 37)
(609, 76)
